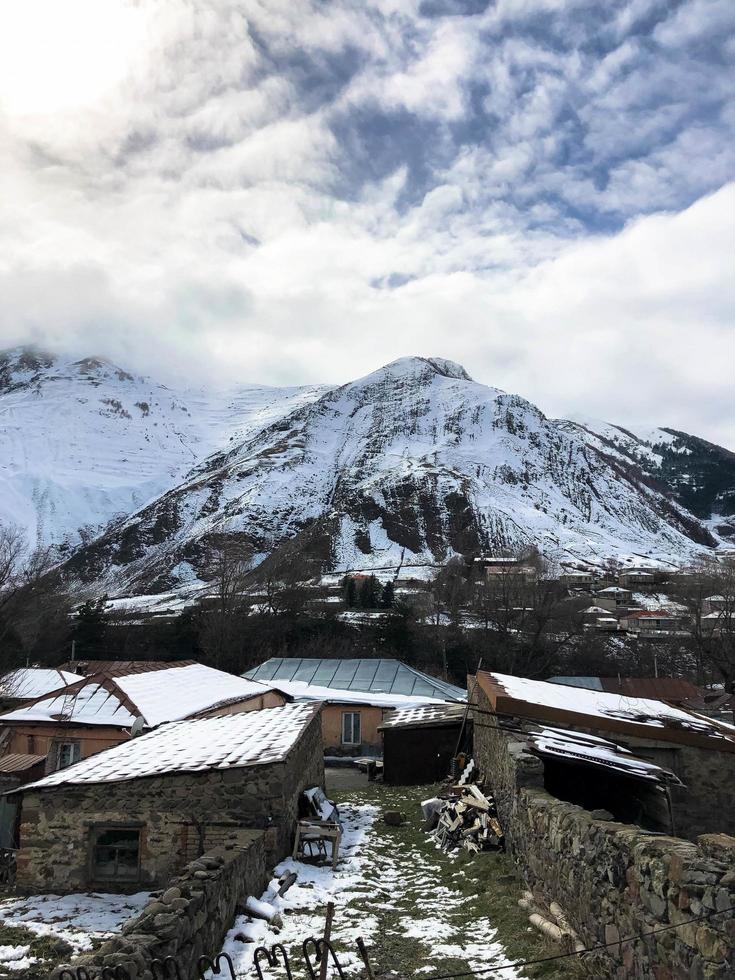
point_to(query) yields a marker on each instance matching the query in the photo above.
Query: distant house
(716, 603)
(131, 817)
(28, 683)
(577, 580)
(356, 695)
(697, 752)
(635, 578)
(650, 620)
(613, 598)
(599, 618)
(99, 711)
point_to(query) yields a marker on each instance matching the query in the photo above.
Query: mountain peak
(415, 365)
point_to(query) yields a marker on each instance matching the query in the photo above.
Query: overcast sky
(294, 191)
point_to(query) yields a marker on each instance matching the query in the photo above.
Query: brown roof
(20, 762)
(658, 688)
(121, 668)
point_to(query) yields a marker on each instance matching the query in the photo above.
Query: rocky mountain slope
(411, 464)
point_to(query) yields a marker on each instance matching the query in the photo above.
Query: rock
(601, 815)
(394, 818)
(170, 894)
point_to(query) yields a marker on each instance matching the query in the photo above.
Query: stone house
(577, 580)
(698, 751)
(613, 598)
(130, 818)
(96, 712)
(356, 695)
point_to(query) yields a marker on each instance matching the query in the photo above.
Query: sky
(288, 191)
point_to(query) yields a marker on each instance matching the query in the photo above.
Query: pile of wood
(468, 819)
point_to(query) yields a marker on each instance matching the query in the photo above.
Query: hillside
(411, 463)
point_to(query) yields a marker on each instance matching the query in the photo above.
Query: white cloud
(218, 203)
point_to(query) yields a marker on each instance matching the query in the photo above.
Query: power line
(591, 949)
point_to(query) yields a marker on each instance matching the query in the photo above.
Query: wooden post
(364, 954)
(327, 935)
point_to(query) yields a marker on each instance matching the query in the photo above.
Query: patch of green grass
(479, 888)
(49, 950)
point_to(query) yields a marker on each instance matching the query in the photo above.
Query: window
(67, 753)
(115, 854)
(351, 734)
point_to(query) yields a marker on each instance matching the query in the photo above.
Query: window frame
(96, 832)
(353, 715)
(59, 744)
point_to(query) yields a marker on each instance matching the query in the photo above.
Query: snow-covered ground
(378, 887)
(77, 919)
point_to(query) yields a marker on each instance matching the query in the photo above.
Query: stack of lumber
(468, 819)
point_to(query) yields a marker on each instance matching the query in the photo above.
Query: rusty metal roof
(121, 668)
(19, 762)
(658, 688)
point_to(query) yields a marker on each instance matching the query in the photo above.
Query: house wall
(370, 718)
(272, 699)
(39, 738)
(614, 880)
(172, 811)
(192, 916)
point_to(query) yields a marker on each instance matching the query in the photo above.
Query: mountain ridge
(412, 462)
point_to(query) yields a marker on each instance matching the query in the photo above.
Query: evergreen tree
(388, 596)
(90, 629)
(350, 592)
(369, 592)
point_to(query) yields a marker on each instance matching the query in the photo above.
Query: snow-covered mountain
(83, 442)
(411, 463)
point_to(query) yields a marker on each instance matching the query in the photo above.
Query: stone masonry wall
(190, 918)
(615, 880)
(172, 811)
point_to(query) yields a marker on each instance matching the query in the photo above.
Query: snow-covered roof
(157, 696)
(374, 676)
(613, 590)
(34, 682)
(596, 610)
(301, 691)
(650, 718)
(425, 715)
(252, 738)
(591, 750)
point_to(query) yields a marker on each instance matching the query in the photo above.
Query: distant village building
(356, 694)
(613, 598)
(577, 580)
(653, 620)
(635, 578)
(131, 817)
(100, 710)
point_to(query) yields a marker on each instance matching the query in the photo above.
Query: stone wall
(178, 815)
(191, 917)
(614, 880)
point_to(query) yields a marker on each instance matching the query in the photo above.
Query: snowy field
(78, 921)
(392, 888)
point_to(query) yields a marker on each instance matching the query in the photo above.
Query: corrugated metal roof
(373, 676)
(425, 716)
(19, 762)
(657, 688)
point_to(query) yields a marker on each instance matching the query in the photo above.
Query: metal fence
(315, 952)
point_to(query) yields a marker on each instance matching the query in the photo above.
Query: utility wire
(519, 964)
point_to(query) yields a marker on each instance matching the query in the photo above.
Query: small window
(351, 733)
(115, 854)
(67, 753)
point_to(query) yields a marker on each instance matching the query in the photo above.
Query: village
(171, 816)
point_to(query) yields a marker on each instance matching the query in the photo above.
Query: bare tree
(708, 592)
(229, 566)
